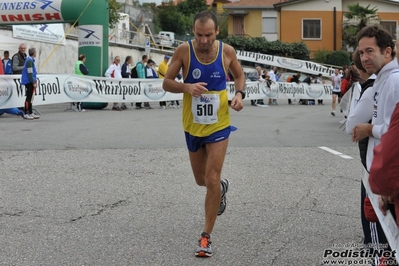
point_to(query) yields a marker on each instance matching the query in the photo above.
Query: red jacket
(344, 86)
(1, 67)
(384, 171)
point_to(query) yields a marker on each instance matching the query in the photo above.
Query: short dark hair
(144, 57)
(31, 51)
(382, 37)
(203, 17)
(128, 58)
(81, 57)
(6, 52)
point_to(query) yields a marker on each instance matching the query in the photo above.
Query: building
(253, 18)
(317, 23)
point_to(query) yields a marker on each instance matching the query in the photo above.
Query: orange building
(317, 23)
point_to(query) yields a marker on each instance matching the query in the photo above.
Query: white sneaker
(83, 110)
(35, 116)
(28, 117)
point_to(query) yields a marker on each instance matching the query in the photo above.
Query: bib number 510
(204, 109)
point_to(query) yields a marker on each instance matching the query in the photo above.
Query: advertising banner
(27, 12)
(50, 33)
(90, 35)
(284, 62)
(63, 88)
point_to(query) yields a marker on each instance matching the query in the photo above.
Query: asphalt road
(103, 187)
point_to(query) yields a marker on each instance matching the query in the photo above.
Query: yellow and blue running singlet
(209, 113)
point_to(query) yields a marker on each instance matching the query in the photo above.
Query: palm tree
(357, 18)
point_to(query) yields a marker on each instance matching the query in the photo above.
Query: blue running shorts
(195, 143)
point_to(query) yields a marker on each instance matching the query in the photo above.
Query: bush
(338, 58)
(321, 56)
(297, 50)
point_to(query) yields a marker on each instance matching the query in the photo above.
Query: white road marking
(335, 152)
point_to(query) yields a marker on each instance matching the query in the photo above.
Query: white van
(166, 38)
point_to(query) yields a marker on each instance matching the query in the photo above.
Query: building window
(311, 29)
(269, 25)
(390, 26)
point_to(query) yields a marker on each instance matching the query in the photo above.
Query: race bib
(205, 109)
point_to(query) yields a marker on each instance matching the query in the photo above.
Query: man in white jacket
(114, 71)
(377, 54)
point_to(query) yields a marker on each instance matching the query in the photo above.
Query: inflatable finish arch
(93, 24)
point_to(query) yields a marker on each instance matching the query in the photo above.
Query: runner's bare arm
(180, 60)
(238, 74)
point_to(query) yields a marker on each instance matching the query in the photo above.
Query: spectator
(114, 71)
(363, 113)
(15, 111)
(80, 69)
(162, 69)
(150, 74)
(336, 91)
(377, 54)
(29, 79)
(141, 73)
(1, 68)
(7, 63)
(319, 80)
(18, 59)
(384, 174)
(257, 76)
(273, 74)
(384, 168)
(125, 70)
(294, 78)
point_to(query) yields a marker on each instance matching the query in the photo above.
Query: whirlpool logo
(154, 91)
(5, 91)
(314, 92)
(77, 89)
(270, 91)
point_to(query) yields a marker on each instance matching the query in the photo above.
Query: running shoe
(28, 117)
(225, 183)
(333, 113)
(204, 246)
(35, 116)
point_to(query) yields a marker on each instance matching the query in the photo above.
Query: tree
(189, 7)
(357, 17)
(171, 19)
(179, 18)
(114, 13)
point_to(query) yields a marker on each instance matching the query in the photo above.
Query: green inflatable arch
(93, 18)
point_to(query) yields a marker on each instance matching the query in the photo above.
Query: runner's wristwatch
(242, 94)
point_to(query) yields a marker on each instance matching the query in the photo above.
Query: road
(103, 187)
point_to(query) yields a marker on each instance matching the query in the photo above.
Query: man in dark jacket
(18, 60)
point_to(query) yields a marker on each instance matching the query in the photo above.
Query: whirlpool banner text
(63, 88)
